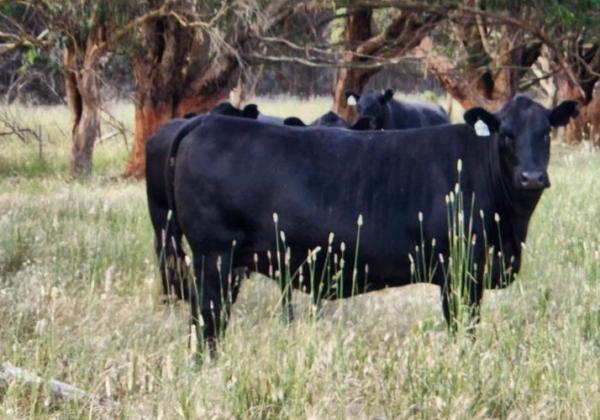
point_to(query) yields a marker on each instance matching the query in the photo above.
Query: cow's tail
(170, 169)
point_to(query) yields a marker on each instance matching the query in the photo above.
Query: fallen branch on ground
(58, 389)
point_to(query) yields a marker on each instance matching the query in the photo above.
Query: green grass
(79, 302)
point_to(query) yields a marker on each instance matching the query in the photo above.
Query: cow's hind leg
(159, 249)
(215, 290)
(158, 215)
(173, 266)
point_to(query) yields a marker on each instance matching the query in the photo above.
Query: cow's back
(405, 114)
(233, 175)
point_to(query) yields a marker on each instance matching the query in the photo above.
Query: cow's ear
(475, 114)
(364, 123)
(250, 111)
(294, 121)
(387, 95)
(561, 114)
(224, 108)
(351, 97)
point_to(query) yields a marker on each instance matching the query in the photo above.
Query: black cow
(228, 176)
(167, 237)
(331, 119)
(392, 114)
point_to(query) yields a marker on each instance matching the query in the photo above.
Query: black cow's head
(225, 108)
(524, 129)
(372, 104)
(328, 120)
(366, 124)
(294, 122)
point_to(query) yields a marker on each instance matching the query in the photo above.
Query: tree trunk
(170, 84)
(585, 68)
(493, 63)
(404, 32)
(156, 105)
(180, 71)
(152, 111)
(587, 124)
(149, 117)
(83, 98)
(356, 31)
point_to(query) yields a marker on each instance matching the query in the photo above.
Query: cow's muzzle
(534, 180)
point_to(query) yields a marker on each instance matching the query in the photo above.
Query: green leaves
(31, 55)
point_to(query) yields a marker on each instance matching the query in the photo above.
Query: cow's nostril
(524, 177)
(532, 180)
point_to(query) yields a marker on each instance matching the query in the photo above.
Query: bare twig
(118, 126)
(13, 125)
(58, 389)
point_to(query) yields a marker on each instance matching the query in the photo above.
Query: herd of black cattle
(222, 179)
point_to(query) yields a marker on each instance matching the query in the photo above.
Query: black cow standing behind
(228, 176)
(167, 237)
(389, 113)
(331, 119)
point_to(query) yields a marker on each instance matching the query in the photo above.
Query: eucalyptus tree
(189, 60)
(85, 31)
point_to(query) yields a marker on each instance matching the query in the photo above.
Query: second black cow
(391, 114)
(167, 237)
(229, 176)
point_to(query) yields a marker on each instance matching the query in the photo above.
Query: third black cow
(167, 238)
(331, 119)
(231, 175)
(391, 114)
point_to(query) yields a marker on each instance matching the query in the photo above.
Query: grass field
(79, 302)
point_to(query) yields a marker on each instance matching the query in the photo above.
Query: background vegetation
(180, 56)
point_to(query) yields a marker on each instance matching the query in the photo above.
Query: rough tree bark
(585, 63)
(171, 82)
(179, 73)
(404, 32)
(87, 31)
(492, 66)
(83, 98)
(356, 31)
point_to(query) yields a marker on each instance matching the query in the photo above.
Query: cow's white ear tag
(351, 100)
(481, 129)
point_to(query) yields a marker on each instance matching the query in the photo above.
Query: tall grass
(79, 302)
